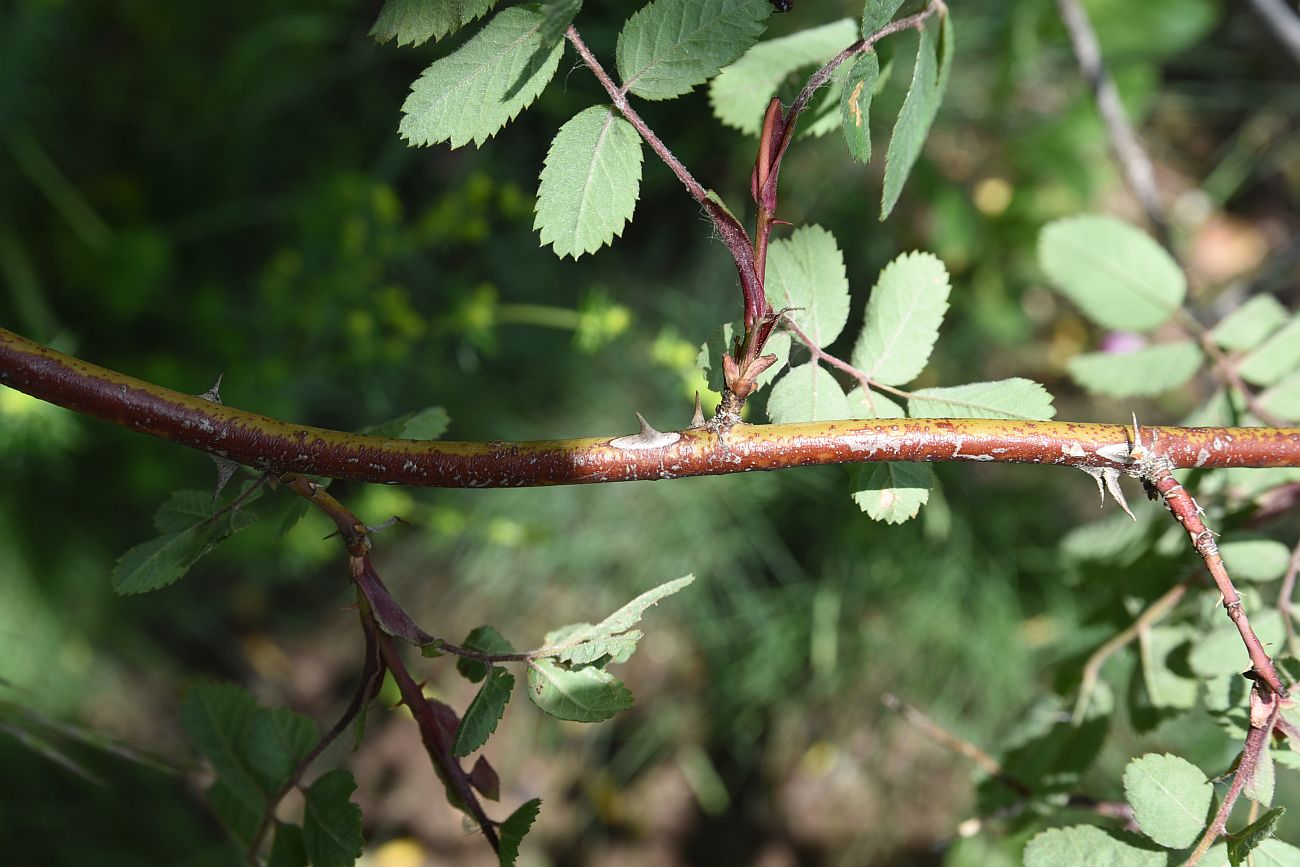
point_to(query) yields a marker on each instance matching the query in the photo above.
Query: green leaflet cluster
(806, 278)
(1171, 800)
(255, 752)
(1126, 283)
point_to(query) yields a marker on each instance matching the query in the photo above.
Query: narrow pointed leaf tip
(929, 81)
(473, 92)
(590, 183)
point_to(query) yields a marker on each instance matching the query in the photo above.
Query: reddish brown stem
(275, 446)
(1187, 512)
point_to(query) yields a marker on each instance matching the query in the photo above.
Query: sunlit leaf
(1242, 843)
(586, 694)
(1250, 324)
(1116, 274)
(1170, 798)
(1275, 358)
(1005, 398)
(590, 182)
(1145, 372)
(892, 492)
(473, 92)
(806, 272)
(1088, 844)
(165, 559)
(741, 92)
(670, 46)
(412, 22)
(807, 393)
(902, 321)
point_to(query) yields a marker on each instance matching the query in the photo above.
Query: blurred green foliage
(193, 190)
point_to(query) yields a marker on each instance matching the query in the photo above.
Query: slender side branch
(1265, 710)
(1128, 150)
(271, 445)
(1188, 513)
(1144, 621)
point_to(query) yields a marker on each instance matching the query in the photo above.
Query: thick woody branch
(271, 445)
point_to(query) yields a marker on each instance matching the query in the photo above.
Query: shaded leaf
(484, 712)
(1144, 372)
(424, 424)
(892, 492)
(483, 777)
(514, 829)
(331, 822)
(484, 639)
(476, 90)
(585, 694)
(557, 15)
(1249, 838)
(288, 849)
(1005, 398)
(806, 272)
(670, 46)
(590, 182)
(929, 80)
(740, 93)
(1283, 399)
(902, 321)
(855, 105)
(1220, 651)
(1113, 272)
(1170, 798)
(807, 393)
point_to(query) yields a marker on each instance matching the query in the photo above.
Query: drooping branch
(277, 446)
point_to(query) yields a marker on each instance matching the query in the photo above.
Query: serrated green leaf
(902, 321)
(557, 15)
(709, 359)
(892, 492)
(1283, 399)
(423, 424)
(929, 81)
(1087, 844)
(1250, 324)
(1170, 798)
(585, 643)
(414, 22)
(590, 182)
(239, 812)
(288, 850)
(1260, 786)
(807, 393)
(1287, 758)
(823, 114)
(1219, 651)
(1144, 372)
(877, 13)
(514, 829)
(670, 46)
(473, 92)
(1255, 559)
(1004, 398)
(484, 639)
(741, 92)
(1113, 272)
(1275, 358)
(484, 712)
(1269, 853)
(165, 559)
(183, 509)
(806, 272)
(216, 716)
(1249, 838)
(855, 105)
(868, 406)
(276, 740)
(1115, 538)
(331, 823)
(585, 694)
